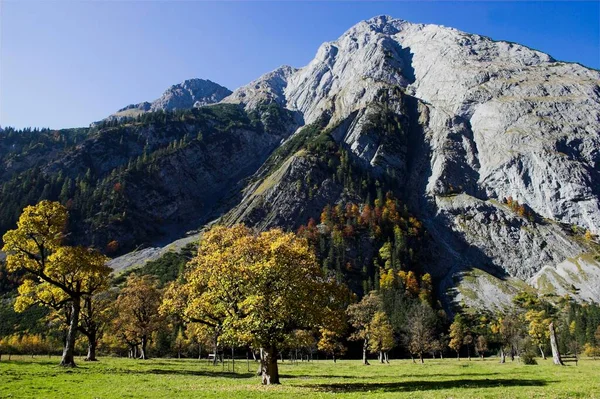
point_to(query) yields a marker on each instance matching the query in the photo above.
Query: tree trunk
(441, 355)
(381, 358)
(502, 356)
(468, 353)
(68, 357)
(144, 352)
(333, 357)
(387, 360)
(215, 348)
(270, 371)
(91, 355)
(542, 352)
(554, 345)
(365, 347)
(457, 355)
(199, 351)
(92, 343)
(421, 357)
(262, 360)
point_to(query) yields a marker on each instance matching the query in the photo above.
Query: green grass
(24, 377)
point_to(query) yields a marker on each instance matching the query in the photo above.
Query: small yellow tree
(457, 334)
(382, 336)
(330, 342)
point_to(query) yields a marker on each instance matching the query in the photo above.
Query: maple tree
(255, 289)
(137, 311)
(360, 316)
(56, 275)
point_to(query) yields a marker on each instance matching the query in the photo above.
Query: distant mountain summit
(185, 95)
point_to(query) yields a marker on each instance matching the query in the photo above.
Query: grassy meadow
(26, 377)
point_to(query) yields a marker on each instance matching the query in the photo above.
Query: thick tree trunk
(68, 357)
(381, 358)
(442, 355)
(260, 365)
(554, 345)
(457, 355)
(91, 355)
(270, 371)
(92, 343)
(365, 347)
(143, 351)
(334, 358)
(542, 352)
(215, 348)
(199, 351)
(502, 356)
(387, 360)
(421, 358)
(468, 353)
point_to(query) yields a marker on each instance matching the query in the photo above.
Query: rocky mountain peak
(185, 95)
(190, 93)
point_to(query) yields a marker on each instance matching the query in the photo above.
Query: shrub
(528, 358)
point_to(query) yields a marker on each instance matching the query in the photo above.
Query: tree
(330, 343)
(360, 316)
(95, 315)
(457, 334)
(481, 346)
(60, 274)
(258, 288)
(420, 330)
(538, 328)
(137, 310)
(508, 329)
(468, 341)
(382, 336)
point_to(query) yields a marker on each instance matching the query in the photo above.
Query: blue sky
(66, 64)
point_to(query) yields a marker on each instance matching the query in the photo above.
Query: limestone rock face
(266, 89)
(482, 119)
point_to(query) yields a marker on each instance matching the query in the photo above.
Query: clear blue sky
(66, 64)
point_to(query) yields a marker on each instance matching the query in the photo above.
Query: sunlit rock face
(485, 120)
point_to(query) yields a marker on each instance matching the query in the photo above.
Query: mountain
(487, 152)
(191, 93)
(481, 122)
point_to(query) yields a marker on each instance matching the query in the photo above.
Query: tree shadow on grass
(307, 376)
(199, 373)
(407, 386)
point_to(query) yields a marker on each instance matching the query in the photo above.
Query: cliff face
(481, 122)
